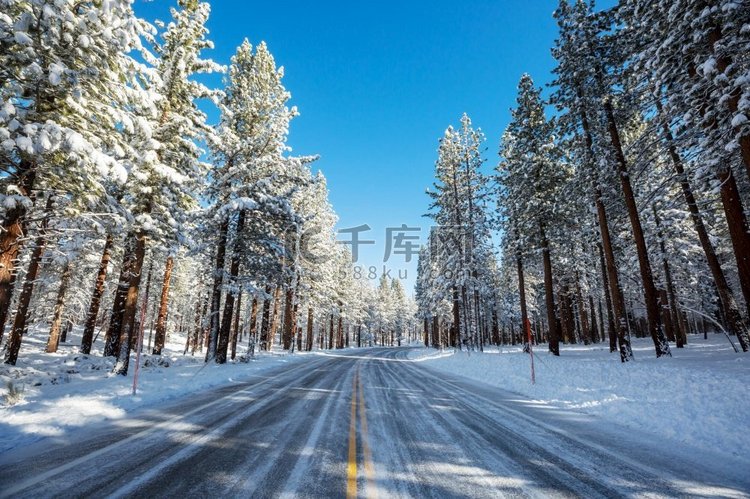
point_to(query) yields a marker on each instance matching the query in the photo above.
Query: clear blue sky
(377, 83)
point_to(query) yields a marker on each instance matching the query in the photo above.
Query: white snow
(698, 397)
(7, 110)
(25, 144)
(67, 390)
(739, 120)
(44, 142)
(84, 41)
(55, 73)
(76, 142)
(22, 38)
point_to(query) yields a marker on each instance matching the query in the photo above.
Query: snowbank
(67, 390)
(698, 397)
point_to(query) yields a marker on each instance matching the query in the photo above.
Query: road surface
(366, 423)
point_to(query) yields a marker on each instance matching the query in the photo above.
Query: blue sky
(377, 83)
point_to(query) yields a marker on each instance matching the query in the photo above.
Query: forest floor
(67, 390)
(698, 397)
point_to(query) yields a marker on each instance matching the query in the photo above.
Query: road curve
(365, 423)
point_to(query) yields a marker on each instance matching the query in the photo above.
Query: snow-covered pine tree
(66, 70)
(253, 180)
(461, 235)
(689, 57)
(533, 173)
(588, 68)
(422, 286)
(316, 271)
(164, 177)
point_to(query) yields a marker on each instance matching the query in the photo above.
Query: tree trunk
(276, 314)
(10, 245)
(234, 270)
(289, 319)
(131, 302)
(495, 326)
(309, 342)
(203, 332)
(727, 302)
(340, 334)
(583, 317)
(66, 330)
(14, 226)
(252, 328)
(437, 338)
(96, 297)
(456, 319)
(522, 291)
(666, 318)
(672, 325)
(137, 326)
(554, 336)
(117, 317)
(236, 327)
(298, 335)
(466, 333)
(221, 252)
(296, 329)
(594, 332)
(613, 291)
(738, 230)
(225, 328)
(195, 337)
(265, 321)
(54, 332)
(610, 326)
(650, 295)
(566, 316)
(330, 333)
(611, 280)
(161, 321)
(22, 311)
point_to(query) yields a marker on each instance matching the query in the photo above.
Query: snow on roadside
(66, 390)
(698, 397)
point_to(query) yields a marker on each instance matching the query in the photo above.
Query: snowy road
(366, 423)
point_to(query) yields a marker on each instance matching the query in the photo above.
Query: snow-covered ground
(67, 390)
(699, 397)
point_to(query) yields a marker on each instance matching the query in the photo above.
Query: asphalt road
(365, 423)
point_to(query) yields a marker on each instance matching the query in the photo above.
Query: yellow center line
(351, 470)
(369, 469)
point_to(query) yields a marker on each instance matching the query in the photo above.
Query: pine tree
(164, 177)
(580, 51)
(253, 180)
(689, 56)
(61, 109)
(461, 237)
(532, 174)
